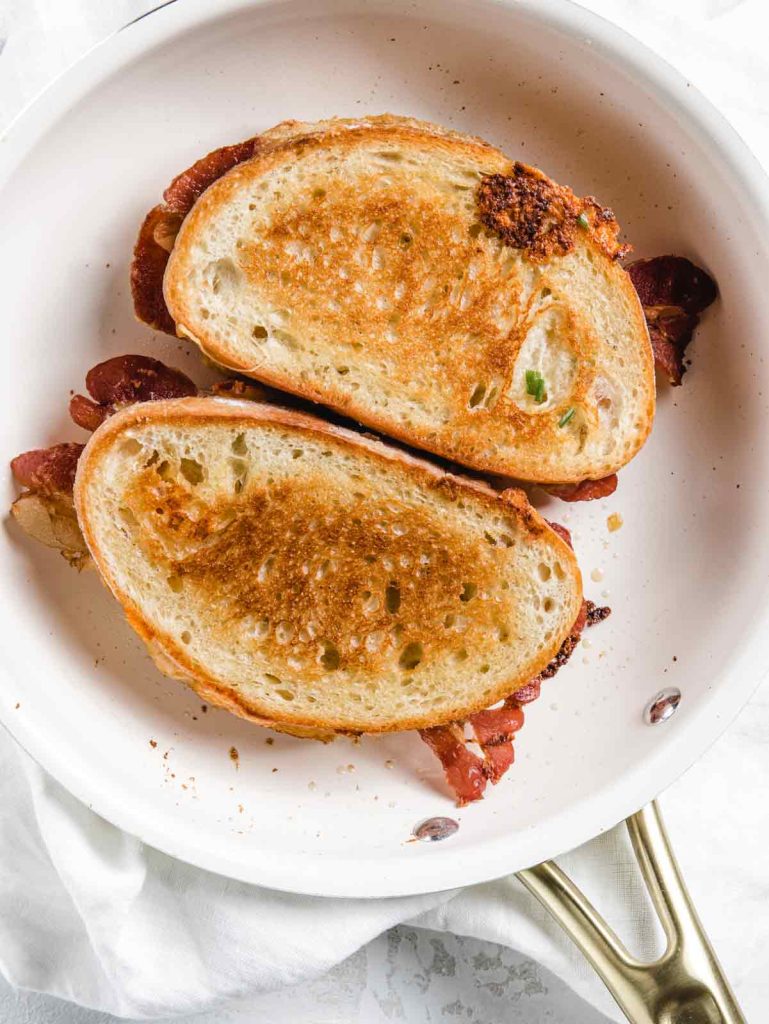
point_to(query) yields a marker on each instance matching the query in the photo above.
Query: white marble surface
(420, 976)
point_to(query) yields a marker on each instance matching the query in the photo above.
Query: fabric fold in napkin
(93, 915)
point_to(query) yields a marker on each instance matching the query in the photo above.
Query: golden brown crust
(531, 212)
(225, 569)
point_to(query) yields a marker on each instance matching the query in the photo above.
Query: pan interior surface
(687, 574)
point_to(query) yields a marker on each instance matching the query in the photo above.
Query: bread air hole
(165, 471)
(128, 517)
(484, 396)
(323, 569)
(259, 332)
(131, 447)
(372, 231)
(469, 590)
(284, 632)
(560, 572)
(261, 629)
(285, 694)
(186, 637)
(548, 604)
(239, 445)
(192, 471)
(224, 274)
(411, 656)
(544, 571)
(175, 584)
(273, 680)
(265, 568)
(240, 472)
(374, 641)
(329, 658)
(392, 598)
(288, 340)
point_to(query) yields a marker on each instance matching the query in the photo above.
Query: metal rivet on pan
(662, 706)
(433, 829)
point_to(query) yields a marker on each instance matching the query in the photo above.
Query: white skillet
(687, 575)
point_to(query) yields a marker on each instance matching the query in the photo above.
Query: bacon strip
(153, 247)
(161, 226)
(673, 293)
(586, 490)
(48, 471)
(494, 729)
(464, 770)
(596, 614)
(46, 511)
(244, 391)
(187, 187)
(122, 381)
(530, 692)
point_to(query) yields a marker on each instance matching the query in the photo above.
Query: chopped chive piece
(583, 222)
(568, 415)
(535, 386)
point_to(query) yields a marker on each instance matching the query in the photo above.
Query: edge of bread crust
(174, 661)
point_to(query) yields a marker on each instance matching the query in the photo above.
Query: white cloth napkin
(90, 914)
(94, 916)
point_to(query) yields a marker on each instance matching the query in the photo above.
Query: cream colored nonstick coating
(686, 575)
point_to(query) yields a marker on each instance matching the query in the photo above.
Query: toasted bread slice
(313, 579)
(422, 283)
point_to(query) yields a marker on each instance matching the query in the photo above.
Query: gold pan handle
(687, 984)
